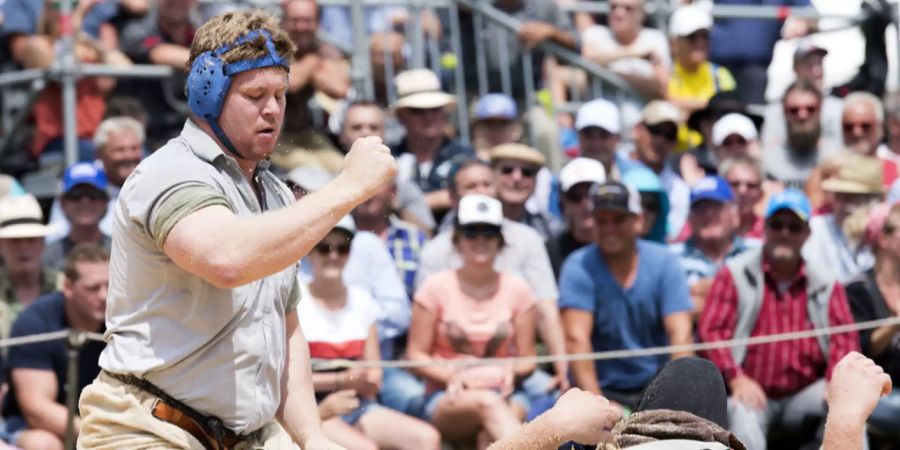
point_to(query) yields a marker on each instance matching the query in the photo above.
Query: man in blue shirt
(621, 293)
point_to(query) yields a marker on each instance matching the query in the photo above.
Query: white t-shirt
(337, 334)
(601, 38)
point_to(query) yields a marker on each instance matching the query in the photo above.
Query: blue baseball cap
(84, 173)
(791, 199)
(496, 106)
(712, 188)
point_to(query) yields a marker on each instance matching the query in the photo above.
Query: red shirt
(781, 368)
(89, 109)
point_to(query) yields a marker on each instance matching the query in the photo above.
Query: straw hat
(420, 89)
(517, 152)
(21, 217)
(857, 174)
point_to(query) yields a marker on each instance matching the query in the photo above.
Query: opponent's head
(239, 64)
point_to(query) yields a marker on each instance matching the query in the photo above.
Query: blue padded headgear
(210, 78)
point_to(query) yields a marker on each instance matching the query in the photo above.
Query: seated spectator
(713, 239)
(516, 167)
(636, 53)
(363, 119)
(702, 121)
(340, 322)
(316, 66)
(891, 151)
(744, 175)
(34, 409)
(523, 255)
(792, 162)
(495, 121)
(621, 293)
(873, 296)
(162, 37)
(694, 78)
(734, 135)
(119, 145)
(654, 203)
(474, 312)
(22, 276)
(833, 241)
(863, 125)
(771, 291)
(655, 138)
(426, 154)
(9, 186)
(575, 181)
(83, 201)
(599, 128)
(808, 66)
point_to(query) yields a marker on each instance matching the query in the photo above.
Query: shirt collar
(801, 272)
(202, 144)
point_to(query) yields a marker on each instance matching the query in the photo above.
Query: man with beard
(119, 144)
(792, 162)
(773, 291)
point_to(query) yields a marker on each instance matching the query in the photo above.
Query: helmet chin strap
(223, 138)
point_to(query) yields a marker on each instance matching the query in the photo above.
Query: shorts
(365, 406)
(432, 399)
(12, 428)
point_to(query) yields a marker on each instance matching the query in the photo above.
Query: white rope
(34, 338)
(335, 364)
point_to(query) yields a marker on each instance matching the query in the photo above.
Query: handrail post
(74, 343)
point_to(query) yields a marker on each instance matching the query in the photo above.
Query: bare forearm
(434, 373)
(550, 328)
(843, 433)
(50, 416)
(298, 413)
(302, 73)
(564, 39)
(678, 328)
(438, 200)
(332, 78)
(539, 434)
(170, 55)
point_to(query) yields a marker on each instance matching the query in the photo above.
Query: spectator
(599, 130)
(620, 293)
(84, 201)
(9, 186)
(304, 180)
(495, 121)
(748, 59)
(119, 144)
(892, 111)
(340, 322)
(873, 296)
(702, 121)
(22, 276)
(638, 54)
(426, 154)
(713, 239)
(163, 37)
(363, 119)
(808, 67)
(516, 167)
(694, 78)
(654, 203)
(772, 291)
(833, 241)
(655, 138)
(474, 311)
(316, 67)
(523, 254)
(34, 409)
(744, 175)
(863, 124)
(734, 135)
(575, 181)
(792, 162)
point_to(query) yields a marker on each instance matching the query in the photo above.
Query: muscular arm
(678, 328)
(298, 413)
(36, 394)
(579, 325)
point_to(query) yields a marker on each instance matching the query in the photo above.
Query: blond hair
(225, 29)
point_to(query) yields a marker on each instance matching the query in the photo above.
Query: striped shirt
(781, 368)
(405, 241)
(697, 265)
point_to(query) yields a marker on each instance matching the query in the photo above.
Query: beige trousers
(115, 415)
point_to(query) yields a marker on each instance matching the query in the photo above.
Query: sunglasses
(326, 249)
(666, 131)
(795, 110)
(527, 172)
(90, 194)
(779, 226)
(849, 127)
(574, 196)
(747, 184)
(698, 35)
(477, 231)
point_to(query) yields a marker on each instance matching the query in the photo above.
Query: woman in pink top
(474, 312)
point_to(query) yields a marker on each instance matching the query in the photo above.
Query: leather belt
(209, 430)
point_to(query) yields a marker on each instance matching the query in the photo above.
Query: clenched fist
(369, 165)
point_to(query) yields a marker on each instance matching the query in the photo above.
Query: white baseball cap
(599, 113)
(479, 209)
(581, 170)
(346, 224)
(310, 178)
(733, 123)
(688, 19)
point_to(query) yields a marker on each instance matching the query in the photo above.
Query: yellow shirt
(700, 84)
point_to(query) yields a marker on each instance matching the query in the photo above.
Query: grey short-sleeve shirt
(220, 351)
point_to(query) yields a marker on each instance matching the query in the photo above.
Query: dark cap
(692, 385)
(614, 196)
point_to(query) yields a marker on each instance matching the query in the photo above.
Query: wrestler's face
(254, 111)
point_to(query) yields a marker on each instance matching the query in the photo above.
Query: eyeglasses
(666, 131)
(326, 249)
(779, 226)
(574, 196)
(477, 231)
(90, 194)
(849, 127)
(698, 35)
(526, 171)
(747, 184)
(795, 110)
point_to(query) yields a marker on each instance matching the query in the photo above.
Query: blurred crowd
(704, 214)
